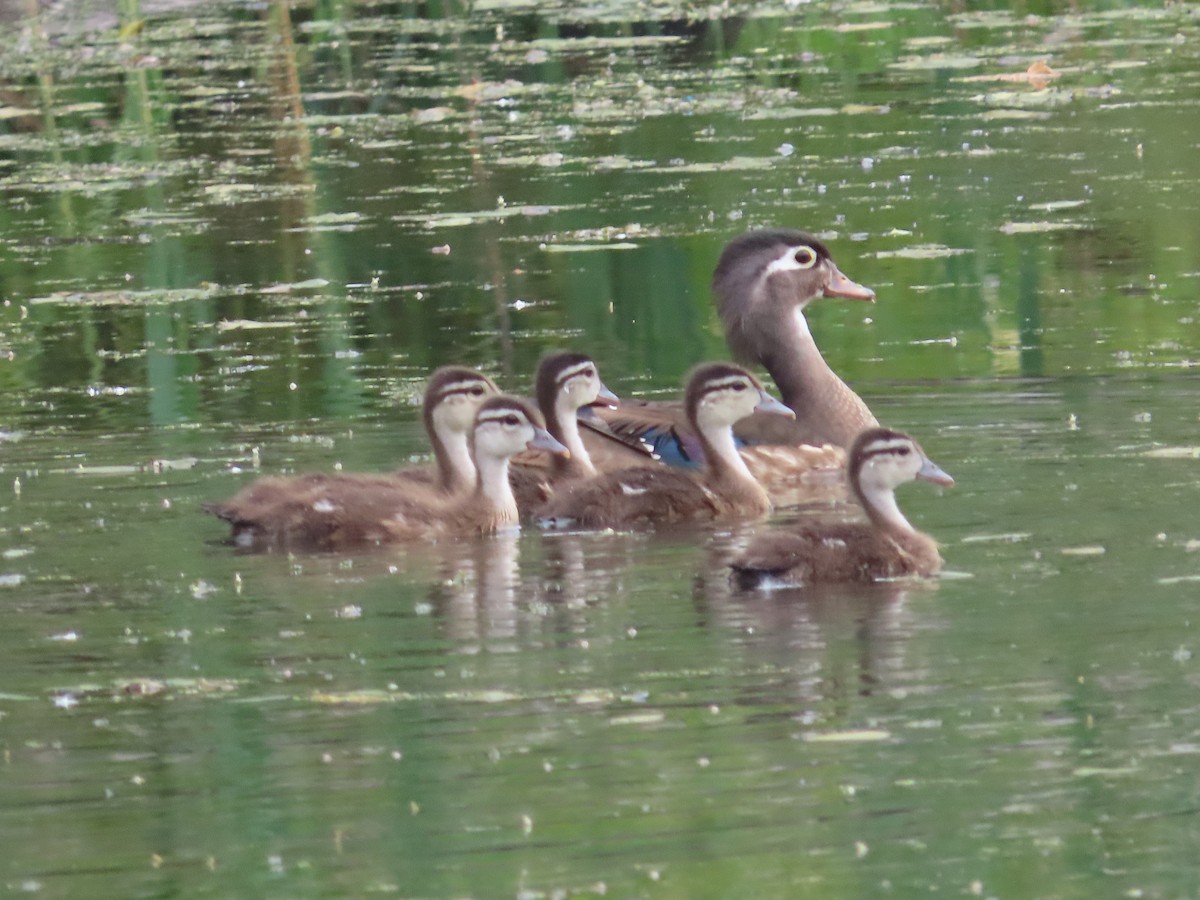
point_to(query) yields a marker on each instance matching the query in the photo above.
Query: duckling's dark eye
(902, 451)
(512, 421)
(739, 386)
(477, 391)
(806, 257)
(589, 373)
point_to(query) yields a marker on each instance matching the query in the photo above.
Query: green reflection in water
(240, 228)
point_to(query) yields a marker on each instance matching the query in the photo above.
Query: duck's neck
(724, 462)
(456, 470)
(563, 423)
(493, 492)
(880, 505)
(790, 354)
(827, 410)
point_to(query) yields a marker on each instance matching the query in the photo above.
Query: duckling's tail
(220, 510)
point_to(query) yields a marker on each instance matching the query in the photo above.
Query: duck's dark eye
(806, 257)
(512, 421)
(739, 386)
(589, 373)
(902, 451)
(477, 391)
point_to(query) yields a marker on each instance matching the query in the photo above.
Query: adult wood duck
(716, 396)
(885, 546)
(762, 283)
(346, 511)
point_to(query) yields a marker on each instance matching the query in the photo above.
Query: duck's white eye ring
(805, 257)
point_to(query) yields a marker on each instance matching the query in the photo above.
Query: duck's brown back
(849, 551)
(796, 475)
(330, 512)
(648, 496)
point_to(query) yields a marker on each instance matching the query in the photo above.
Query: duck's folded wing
(614, 443)
(659, 430)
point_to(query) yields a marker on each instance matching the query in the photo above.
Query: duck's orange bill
(839, 285)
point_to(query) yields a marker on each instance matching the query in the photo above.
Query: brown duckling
(885, 546)
(344, 511)
(452, 398)
(566, 383)
(716, 396)
(763, 282)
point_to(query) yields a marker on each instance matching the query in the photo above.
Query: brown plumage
(801, 474)
(452, 397)
(334, 512)
(885, 546)
(762, 283)
(565, 383)
(717, 395)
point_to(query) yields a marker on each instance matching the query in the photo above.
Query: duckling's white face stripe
(509, 417)
(584, 369)
(732, 383)
(895, 448)
(464, 388)
(886, 463)
(577, 376)
(455, 404)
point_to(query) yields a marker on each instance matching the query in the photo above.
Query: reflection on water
(571, 710)
(476, 596)
(234, 234)
(802, 631)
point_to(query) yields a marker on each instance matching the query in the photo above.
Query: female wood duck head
(763, 282)
(764, 278)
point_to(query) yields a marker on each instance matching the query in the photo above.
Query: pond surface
(233, 232)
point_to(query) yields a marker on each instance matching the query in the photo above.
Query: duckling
(885, 546)
(763, 282)
(565, 383)
(716, 396)
(452, 398)
(344, 511)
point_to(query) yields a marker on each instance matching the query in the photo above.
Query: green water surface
(247, 231)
